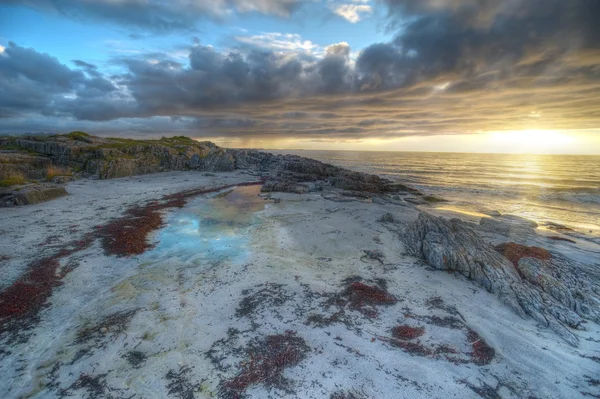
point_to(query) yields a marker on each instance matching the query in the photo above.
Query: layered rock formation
(13, 163)
(104, 158)
(107, 158)
(552, 289)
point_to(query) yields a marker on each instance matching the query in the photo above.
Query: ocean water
(563, 189)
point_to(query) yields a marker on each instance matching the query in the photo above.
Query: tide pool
(209, 231)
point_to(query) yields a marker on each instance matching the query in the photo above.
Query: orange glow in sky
(514, 141)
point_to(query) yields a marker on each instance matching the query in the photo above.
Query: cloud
(158, 15)
(454, 66)
(352, 12)
(275, 41)
(39, 83)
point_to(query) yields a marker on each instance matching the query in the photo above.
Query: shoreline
(312, 264)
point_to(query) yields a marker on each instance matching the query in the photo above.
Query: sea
(549, 189)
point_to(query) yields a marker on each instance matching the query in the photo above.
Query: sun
(536, 141)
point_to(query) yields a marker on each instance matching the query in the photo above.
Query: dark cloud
(454, 66)
(34, 82)
(233, 79)
(470, 37)
(157, 15)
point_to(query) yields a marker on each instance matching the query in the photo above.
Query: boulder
(284, 186)
(555, 291)
(30, 194)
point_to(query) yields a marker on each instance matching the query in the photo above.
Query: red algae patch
(267, 359)
(360, 295)
(471, 348)
(128, 235)
(482, 352)
(21, 302)
(356, 296)
(514, 252)
(31, 290)
(406, 332)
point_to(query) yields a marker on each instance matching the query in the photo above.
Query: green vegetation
(77, 135)
(10, 147)
(13, 180)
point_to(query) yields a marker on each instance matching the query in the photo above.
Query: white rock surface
(177, 320)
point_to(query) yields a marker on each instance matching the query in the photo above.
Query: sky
(406, 75)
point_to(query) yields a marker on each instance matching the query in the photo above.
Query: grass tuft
(54, 171)
(14, 179)
(77, 135)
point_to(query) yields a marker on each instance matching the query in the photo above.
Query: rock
(387, 218)
(357, 194)
(284, 186)
(379, 200)
(559, 238)
(433, 199)
(493, 213)
(374, 254)
(398, 187)
(558, 227)
(107, 158)
(62, 179)
(337, 198)
(555, 291)
(448, 244)
(30, 194)
(515, 252)
(25, 165)
(416, 201)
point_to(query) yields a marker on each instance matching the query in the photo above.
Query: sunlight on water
(563, 189)
(462, 211)
(208, 231)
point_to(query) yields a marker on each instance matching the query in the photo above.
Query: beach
(257, 294)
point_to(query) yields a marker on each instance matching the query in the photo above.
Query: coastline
(308, 258)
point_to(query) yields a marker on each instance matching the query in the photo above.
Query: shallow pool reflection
(208, 231)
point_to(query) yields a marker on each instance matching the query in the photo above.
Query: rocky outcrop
(13, 163)
(30, 194)
(557, 292)
(284, 186)
(288, 170)
(106, 158)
